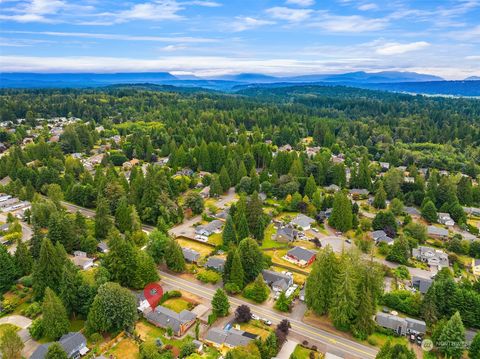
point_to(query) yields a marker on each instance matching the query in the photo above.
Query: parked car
(419, 339)
(255, 317)
(349, 241)
(266, 322)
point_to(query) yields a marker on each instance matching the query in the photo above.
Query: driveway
(287, 349)
(23, 323)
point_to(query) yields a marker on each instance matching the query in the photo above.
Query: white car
(255, 317)
(266, 322)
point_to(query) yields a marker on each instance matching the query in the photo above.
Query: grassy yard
(76, 325)
(303, 353)
(379, 339)
(125, 349)
(297, 277)
(201, 248)
(4, 327)
(269, 241)
(255, 327)
(177, 304)
(215, 239)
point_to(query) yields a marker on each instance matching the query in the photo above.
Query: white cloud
(351, 23)
(172, 48)
(120, 37)
(289, 14)
(205, 3)
(303, 3)
(369, 6)
(158, 10)
(243, 23)
(394, 48)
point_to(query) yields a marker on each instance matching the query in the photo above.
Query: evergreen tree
(400, 251)
(252, 258)
(220, 303)
(464, 191)
(242, 227)
(320, 286)
(70, 284)
(55, 351)
(23, 258)
(429, 211)
(157, 245)
(364, 177)
(122, 216)
(343, 306)
(398, 351)
(237, 275)
(310, 187)
(379, 201)
(342, 216)
(48, 269)
(229, 236)
(216, 188)
(474, 350)
(174, 258)
(102, 219)
(453, 332)
(255, 217)
(54, 316)
(121, 260)
(225, 179)
(258, 291)
(8, 271)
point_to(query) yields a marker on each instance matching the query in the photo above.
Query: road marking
(302, 327)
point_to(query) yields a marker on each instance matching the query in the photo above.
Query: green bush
(404, 301)
(96, 338)
(36, 329)
(33, 310)
(170, 294)
(208, 276)
(232, 288)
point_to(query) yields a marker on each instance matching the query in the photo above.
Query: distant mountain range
(396, 81)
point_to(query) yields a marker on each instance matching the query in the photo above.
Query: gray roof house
(208, 229)
(74, 344)
(437, 232)
(381, 237)
(359, 192)
(165, 318)
(332, 188)
(231, 338)
(412, 211)
(215, 263)
(102, 247)
(401, 326)
(302, 221)
(421, 284)
(433, 257)
(279, 282)
(445, 219)
(190, 255)
(286, 234)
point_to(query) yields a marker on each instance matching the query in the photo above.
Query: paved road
(23, 323)
(26, 233)
(349, 348)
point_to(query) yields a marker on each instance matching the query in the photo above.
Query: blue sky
(213, 37)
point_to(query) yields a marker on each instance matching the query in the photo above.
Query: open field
(203, 249)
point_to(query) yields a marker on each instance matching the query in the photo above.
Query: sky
(218, 37)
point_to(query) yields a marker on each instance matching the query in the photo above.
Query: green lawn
(379, 339)
(303, 353)
(125, 349)
(149, 332)
(215, 239)
(76, 325)
(268, 240)
(177, 304)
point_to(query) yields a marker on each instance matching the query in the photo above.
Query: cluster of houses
(11, 204)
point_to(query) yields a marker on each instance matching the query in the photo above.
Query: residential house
(433, 257)
(301, 256)
(312, 151)
(421, 284)
(285, 148)
(190, 255)
(445, 219)
(73, 343)
(381, 237)
(128, 165)
(437, 232)
(340, 158)
(401, 326)
(210, 228)
(215, 263)
(476, 267)
(286, 234)
(412, 211)
(408, 179)
(472, 211)
(332, 188)
(385, 166)
(357, 193)
(166, 318)
(81, 260)
(302, 221)
(279, 282)
(205, 192)
(229, 338)
(102, 247)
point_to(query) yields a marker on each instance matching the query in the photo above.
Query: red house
(301, 256)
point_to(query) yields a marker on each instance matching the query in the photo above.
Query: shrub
(232, 288)
(96, 338)
(208, 276)
(169, 295)
(36, 329)
(26, 281)
(404, 301)
(33, 310)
